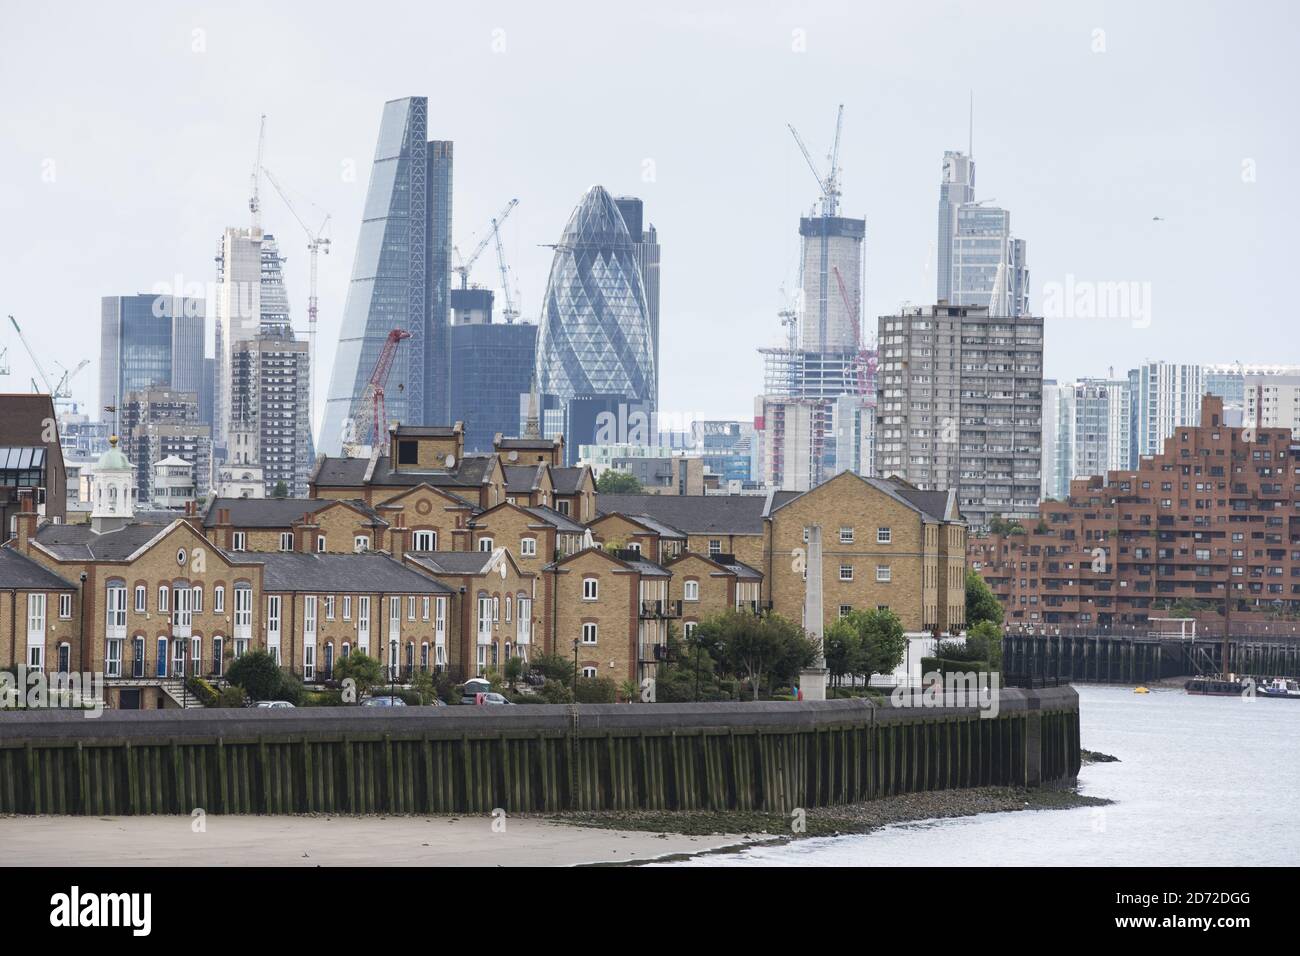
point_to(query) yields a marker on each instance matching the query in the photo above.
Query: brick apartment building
(1215, 515)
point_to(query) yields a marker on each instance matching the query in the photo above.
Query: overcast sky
(130, 132)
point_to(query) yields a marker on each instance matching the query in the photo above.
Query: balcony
(661, 609)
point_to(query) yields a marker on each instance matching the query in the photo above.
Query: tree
(985, 642)
(281, 490)
(875, 639)
(628, 691)
(753, 647)
(613, 482)
(981, 603)
(365, 671)
(257, 673)
(842, 648)
(512, 672)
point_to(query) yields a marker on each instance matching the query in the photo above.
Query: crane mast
(368, 425)
(463, 269)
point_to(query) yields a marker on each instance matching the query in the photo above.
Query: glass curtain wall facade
(595, 337)
(400, 278)
(149, 341)
(494, 368)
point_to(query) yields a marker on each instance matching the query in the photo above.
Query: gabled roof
(278, 512)
(567, 481)
(931, 505)
(740, 569)
(463, 562)
(562, 522)
(523, 479)
(643, 566)
(19, 572)
(693, 514)
(469, 472)
(80, 542)
(294, 571)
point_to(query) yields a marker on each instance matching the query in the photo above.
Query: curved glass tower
(595, 338)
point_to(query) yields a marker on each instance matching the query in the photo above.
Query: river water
(1201, 781)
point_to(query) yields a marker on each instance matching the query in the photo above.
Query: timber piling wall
(771, 756)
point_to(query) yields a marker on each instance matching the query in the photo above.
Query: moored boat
(1213, 687)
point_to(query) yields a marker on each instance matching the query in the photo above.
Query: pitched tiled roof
(694, 514)
(468, 472)
(293, 571)
(567, 480)
(80, 542)
(20, 572)
(562, 522)
(540, 444)
(522, 479)
(452, 562)
(276, 512)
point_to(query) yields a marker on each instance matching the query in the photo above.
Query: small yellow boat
(1141, 690)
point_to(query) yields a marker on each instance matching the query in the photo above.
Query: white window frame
(274, 620)
(329, 607)
(691, 591)
(360, 543)
(528, 547)
(196, 599)
(164, 598)
(65, 607)
(36, 608)
(883, 573)
(590, 634)
(363, 623)
(884, 535)
(219, 599)
(286, 540)
(846, 572)
(485, 544)
(424, 537)
(591, 589)
(141, 599)
(239, 541)
(846, 535)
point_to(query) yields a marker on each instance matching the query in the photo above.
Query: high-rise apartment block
(270, 385)
(960, 406)
(1164, 396)
(1086, 431)
(161, 423)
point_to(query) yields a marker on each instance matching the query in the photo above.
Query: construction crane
(864, 364)
(254, 202)
(61, 392)
(316, 243)
(462, 270)
(830, 183)
(4, 361)
(368, 425)
(510, 312)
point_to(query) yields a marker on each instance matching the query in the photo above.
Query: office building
(158, 424)
(492, 370)
(646, 239)
(1086, 431)
(149, 341)
(1163, 396)
(595, 342)
(400, 279)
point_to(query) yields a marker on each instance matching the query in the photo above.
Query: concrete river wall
(747, 756)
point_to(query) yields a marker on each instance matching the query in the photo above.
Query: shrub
(553, 692)
(257, 673)
(232, 696)
(322, 698)
(597, 690)
(206, 694)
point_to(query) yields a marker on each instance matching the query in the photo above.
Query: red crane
(369, 421)
(865, 359)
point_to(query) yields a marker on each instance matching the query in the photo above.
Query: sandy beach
(336, 841)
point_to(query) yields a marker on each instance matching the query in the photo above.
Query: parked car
(491, 697)
(276, 704)
(383, 702)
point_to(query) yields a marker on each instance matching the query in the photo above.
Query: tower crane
(316, 243)
(462, 270)
(4, 361)
(510, 312)
(61, 392)
(864, 359)
(368, 425)
(254, 202)
(830, 183)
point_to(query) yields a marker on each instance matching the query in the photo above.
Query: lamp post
(575, 670)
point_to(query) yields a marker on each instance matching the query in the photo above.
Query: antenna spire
(970, 132)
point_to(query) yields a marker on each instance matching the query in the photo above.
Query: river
(1201, 781)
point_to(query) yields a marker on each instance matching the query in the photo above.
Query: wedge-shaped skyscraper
(400, 279)
(595, 339)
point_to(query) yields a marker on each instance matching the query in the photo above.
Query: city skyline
(1102, 194)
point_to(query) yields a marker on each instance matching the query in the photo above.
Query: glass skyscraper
(400, 279)
(494, 367)
(595, 340)
(149, 341)
(974, 241)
